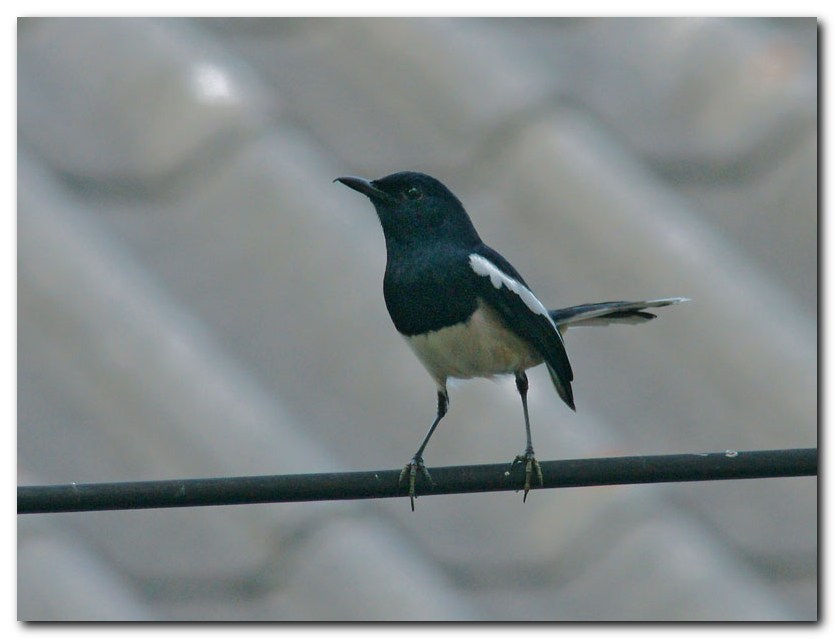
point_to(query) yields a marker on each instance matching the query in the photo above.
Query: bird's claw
(411, 470)
(531, 466)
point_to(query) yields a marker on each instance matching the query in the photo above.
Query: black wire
(177, 493)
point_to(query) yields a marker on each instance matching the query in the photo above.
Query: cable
(176, 493)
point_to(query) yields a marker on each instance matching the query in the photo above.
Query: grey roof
(196, 298)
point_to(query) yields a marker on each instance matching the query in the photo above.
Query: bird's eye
(413, 193)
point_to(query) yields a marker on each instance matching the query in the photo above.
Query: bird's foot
(531, 467)
(411, 470)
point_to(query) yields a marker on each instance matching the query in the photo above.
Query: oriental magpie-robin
(463, 308)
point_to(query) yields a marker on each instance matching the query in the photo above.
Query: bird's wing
(605, 313)
(504, 290)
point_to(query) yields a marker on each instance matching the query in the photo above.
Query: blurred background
(197, 298)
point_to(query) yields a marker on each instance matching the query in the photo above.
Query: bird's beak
(366, 187)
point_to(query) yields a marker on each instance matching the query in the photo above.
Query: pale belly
(483, 347)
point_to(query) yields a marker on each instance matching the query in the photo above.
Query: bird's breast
(426, 291)
(482, 346)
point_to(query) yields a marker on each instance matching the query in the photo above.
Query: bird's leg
(416, 464)
(531, 465)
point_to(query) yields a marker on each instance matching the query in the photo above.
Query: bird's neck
(416, 241)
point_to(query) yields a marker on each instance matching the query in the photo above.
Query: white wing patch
(484, 267)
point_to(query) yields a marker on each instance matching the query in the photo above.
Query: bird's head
(415, 207)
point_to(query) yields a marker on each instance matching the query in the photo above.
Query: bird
(464, 310)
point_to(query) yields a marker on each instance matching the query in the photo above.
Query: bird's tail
(605, 313)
